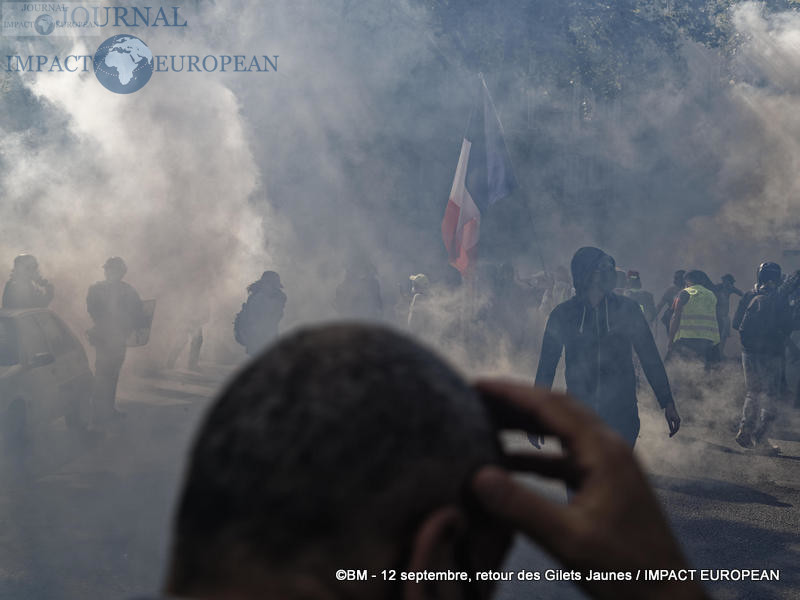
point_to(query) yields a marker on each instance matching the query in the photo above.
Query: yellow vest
(699, 316)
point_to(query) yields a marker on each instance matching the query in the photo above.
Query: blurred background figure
(420, 314)
(507, 310)
(256, 325)
(402, 303)
(116, 311)
(668, 298)
(765, 321)
(644, 299)
(358, 296)
(724, 292)
(190, 329)
(560, 291)
(26, 288)
(693, 331)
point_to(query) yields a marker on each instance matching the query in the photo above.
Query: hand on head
(613, 522)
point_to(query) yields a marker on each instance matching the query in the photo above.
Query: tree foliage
(607, 45)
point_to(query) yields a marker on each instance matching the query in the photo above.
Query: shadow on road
(723, 544)
(712, 489)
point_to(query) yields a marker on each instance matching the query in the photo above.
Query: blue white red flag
(483, 176)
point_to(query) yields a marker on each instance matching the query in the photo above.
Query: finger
(551, 466)
(551, 412)
(509, 501)
(506, 415)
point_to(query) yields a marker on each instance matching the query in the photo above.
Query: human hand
(673, 419)
(613, 522)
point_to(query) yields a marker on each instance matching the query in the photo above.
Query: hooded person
(598, 330)
(256, 325)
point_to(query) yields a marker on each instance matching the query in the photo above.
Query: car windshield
(9, 352)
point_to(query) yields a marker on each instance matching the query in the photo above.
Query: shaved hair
(337, 439)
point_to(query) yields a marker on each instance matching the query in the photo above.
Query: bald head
(336, 442)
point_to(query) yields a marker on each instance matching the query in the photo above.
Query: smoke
(163, 178)
(759, 178)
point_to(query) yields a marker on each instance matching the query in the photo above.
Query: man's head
(593, 269)
(420, 284)
(728, 279)
(340, 447)
(115, 269)
(698, 277)
(26, 265)
(271, 278)
(678, 277)
(769, 274)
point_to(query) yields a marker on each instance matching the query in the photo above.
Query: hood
(584, 263)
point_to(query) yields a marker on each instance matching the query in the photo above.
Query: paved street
(92, 520)
(731, 509)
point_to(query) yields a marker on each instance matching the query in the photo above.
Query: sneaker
(766, 448)
(744, 439)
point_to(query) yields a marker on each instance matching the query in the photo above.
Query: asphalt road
(90, 516)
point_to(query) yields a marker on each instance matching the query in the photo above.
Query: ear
(435, 548)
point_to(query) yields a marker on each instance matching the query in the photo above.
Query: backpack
(762, 325)
(239, 327)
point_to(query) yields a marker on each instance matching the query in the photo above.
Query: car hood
(9, 372)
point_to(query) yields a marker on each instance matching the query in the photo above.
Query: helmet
(769, 271)
(25, 261)
(115, 262)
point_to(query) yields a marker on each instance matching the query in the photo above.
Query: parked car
(44, 374)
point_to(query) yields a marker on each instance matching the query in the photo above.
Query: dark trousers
(107, 366)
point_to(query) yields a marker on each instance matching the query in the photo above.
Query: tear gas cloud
(201, 182)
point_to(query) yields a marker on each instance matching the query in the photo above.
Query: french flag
(483, 176)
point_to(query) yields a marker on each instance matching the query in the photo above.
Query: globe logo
(44, 25)
(123, 64)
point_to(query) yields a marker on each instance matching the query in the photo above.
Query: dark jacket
(256, 325)
(747, 298)
(116, 309)
(765, 324)
(598, 344)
